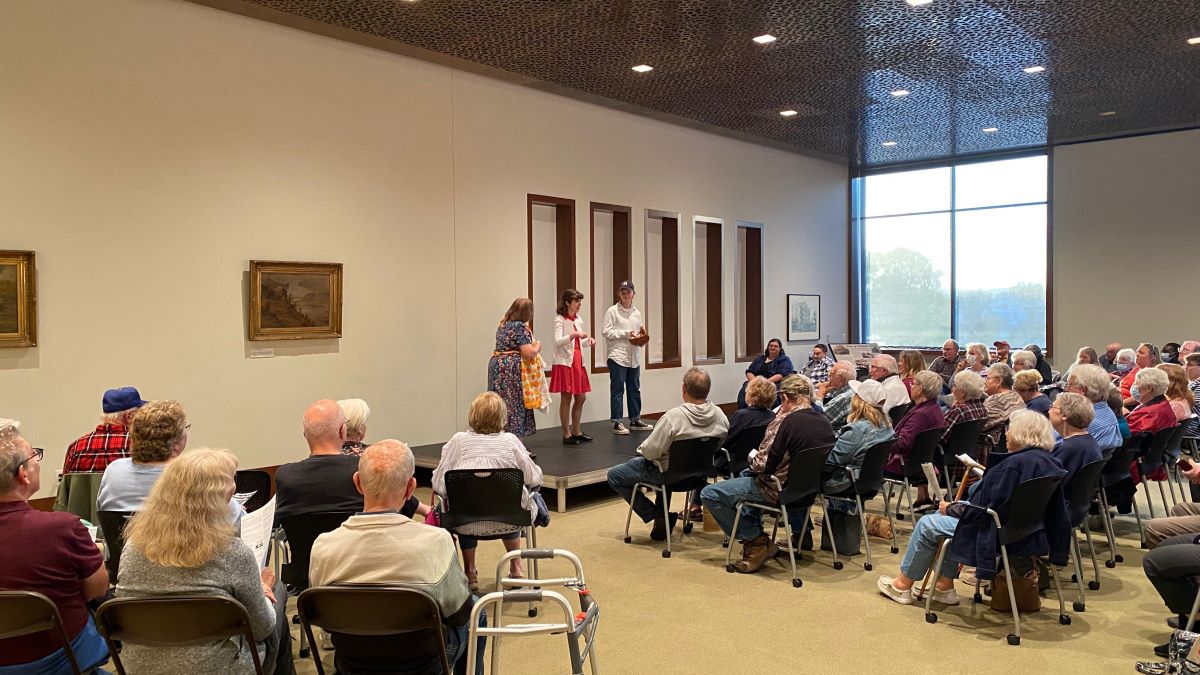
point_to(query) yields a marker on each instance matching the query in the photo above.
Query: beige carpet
(687, 615)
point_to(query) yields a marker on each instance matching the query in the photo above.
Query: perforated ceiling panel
(835, 63)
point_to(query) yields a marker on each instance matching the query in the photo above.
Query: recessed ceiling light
(898, 93)
(1034, 69)
(765, 39)
(1108, 113)
(643, 68)
(918, 3)
(1194, 41)
(990, 130)
(788, 113)
(888, 144)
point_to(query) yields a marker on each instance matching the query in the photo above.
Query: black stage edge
(565, 466)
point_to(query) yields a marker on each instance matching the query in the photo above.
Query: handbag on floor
(1025, 590)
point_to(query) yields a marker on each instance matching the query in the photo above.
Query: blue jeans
(622, 477)
(627, 381)
(722, 497)
(456, 645)
(923, 543)
(90, 652)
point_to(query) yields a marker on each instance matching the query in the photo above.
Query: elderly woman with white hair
(925, 414)
(967, 390)
(977, 360)
(1070, 415)
(356, 411)
(1093, 383)
(974, 531)
(1154, 412)
(1001, 400)
(1023, 359)
(1027, 384)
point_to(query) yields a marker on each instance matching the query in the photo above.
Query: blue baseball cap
(119, 400)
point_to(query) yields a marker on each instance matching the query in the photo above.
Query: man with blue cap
(110, 441)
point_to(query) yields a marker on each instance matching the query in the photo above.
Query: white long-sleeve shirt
(618, 324)
(469, 450)
(564, 345)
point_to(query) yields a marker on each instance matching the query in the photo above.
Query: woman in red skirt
(567, 375)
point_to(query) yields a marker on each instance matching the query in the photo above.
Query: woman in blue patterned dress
(514, 340)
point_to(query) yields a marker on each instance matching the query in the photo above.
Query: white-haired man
(883, 370)
(1093, 383)
(381, 546)
(836, 393)
(947, 364)
(109, 441)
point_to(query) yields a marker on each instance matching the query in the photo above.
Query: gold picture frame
(295, 300)
(18, 299)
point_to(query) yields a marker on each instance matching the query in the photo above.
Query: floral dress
(504, 376)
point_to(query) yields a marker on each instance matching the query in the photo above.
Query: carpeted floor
(687, 615)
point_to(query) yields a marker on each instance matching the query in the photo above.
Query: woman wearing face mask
(1154, 412)
(1070, 415)
(977, 360)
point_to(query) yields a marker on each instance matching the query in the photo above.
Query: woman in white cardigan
(567, 374)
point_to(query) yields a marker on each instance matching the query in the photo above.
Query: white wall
(154, 147)
(1125, 227)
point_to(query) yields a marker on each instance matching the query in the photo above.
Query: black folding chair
(1022, 515)
(868, 481)
(254, 486)
(301, 531)
(804, 481)
(1154, 458)
(689, 466)
(737, 455)
(375, 611)
(1115, 472)
(26, 613)
(962, 439)
(898, 411)
(174, 620)
(1079, 502)
(923, 447)
(112, 527)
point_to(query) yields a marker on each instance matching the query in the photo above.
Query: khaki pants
(1184, 519)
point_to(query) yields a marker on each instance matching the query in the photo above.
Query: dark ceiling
(835, 62)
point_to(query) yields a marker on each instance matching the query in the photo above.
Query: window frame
(857, 250)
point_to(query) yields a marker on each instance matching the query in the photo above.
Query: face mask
(971, 359)
(1123, 367)
(1135, 392)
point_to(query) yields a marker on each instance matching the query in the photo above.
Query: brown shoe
(755, 553)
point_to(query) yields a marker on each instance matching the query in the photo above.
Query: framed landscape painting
(18, 299)
(803, 317)
(295, 300)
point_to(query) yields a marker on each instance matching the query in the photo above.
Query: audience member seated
(356, 411)
(1184, 519)
(182, 543)
(819, 363)
(773, 364)
(1170, 353)
(761, 396)
(697, 417)
(976, 361)
(1094, 384)
(1085, 356)
(324, 481)
(1040, 364)
(50, 553)
(1192, 367)
(967, 389)
(109, 441)
(1172, 568)
(803, 428)
(1023, 359)
(789, 392)
(835, 394)
(381, 546)
(1178, 394)
(1001, 400)
(910, 363)
(1154, 413)
(883, 370)
(1117, 405)
(1070, 415)
(1145, 357)
(867, 425)
(486, 445)
(1188, 347)
(1027, 384)
(924, 415)
(974, 532)
(158, 435)
(1108, 360)
(1003, 353)
(948, 363)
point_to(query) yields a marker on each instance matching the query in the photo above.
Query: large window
(958, 251)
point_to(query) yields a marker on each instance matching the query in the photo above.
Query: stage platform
(565, 466)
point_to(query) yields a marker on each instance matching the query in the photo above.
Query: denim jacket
(852, 443)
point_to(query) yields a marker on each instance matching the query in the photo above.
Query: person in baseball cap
(1003, 352)
(94, 451)
(867, 426)
(624, 336)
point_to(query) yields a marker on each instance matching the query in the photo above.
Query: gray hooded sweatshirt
(690, 420)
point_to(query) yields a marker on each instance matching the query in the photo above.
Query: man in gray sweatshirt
(696, 418)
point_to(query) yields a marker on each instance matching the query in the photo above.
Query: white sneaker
(892, 593)
(949, 597)
(641, 426)
(619, 429)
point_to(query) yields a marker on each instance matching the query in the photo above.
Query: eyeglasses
(38, 453)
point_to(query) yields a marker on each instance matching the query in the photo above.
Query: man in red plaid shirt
(110, 440)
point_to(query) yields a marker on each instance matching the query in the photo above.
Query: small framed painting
(803, 317)
(18, 299)
(295, 300)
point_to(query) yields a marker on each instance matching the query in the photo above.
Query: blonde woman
(1027, 384)
(866, 426)
(356, 411)
(977, 360)
(910, 362)
(182, 542)
(486, 445)
(1178, 393)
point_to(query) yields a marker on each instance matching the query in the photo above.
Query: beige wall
(1125, 223)
(153, 147)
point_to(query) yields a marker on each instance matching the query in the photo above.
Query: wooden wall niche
(708, 342)
(660, 295)
(748, 292)
(551, 260)
(612, 263)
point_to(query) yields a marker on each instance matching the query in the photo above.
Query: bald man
(324, 481)
(1108, 360)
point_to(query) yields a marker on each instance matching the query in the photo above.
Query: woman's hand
(537, 346)
(961, 365)
(942, 506)
(577, 335)
(267, 577)
(591, 342)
